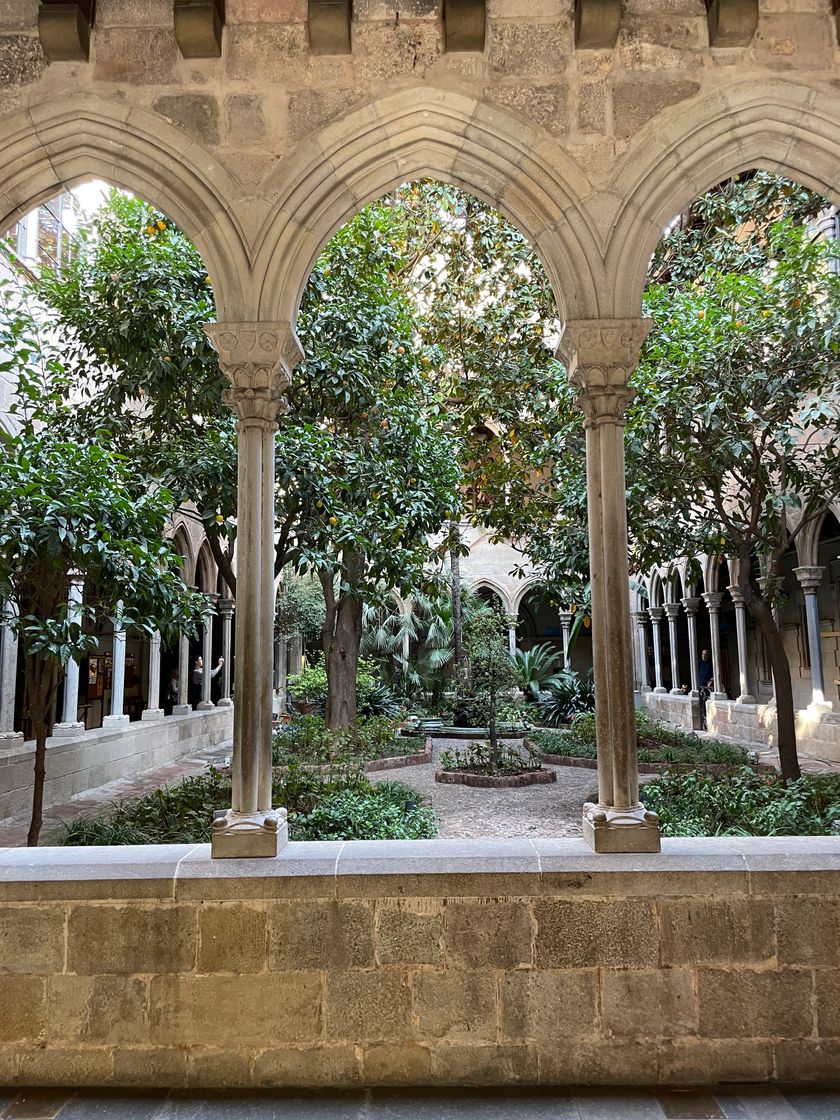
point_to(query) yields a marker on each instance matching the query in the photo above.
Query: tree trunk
(785, 711)
(491, 727)
(457, 618)
(41, 688)
(341, 650)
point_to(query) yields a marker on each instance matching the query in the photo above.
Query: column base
(67, 729)
(115, 721)
(676, 692)
(745, 698)
(718, 696)
(225, 702)
(660, 690)
(205, 706)
(181, 709)
(606, 829)
(10, 737)
(152, 714)
(249, 835)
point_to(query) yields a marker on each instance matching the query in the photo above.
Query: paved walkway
(739, 1103)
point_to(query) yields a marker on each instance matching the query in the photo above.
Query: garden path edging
(495, 781)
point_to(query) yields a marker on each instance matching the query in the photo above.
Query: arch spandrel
(781, 126)
(58, 144)
(435, 134)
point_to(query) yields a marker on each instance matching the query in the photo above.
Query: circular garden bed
(495, 781)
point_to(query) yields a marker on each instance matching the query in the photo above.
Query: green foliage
(535, 668)
(348, 809)
(309, 685)
(307, 739)
(657, 742)
(480, 758)
(373, 696)
(743, 802)
(300, 607)
(567, 696)
(490, 671)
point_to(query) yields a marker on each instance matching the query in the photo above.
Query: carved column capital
(225, 607)
(809, 577)
(737, 595)
(257, 359)
(672, 610)
(655, 614)
(691, 604)
(640, 618)
(600, 355)
(713, 600)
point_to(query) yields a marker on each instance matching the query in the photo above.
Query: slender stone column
(600, 355)
(641, 618)
(512, 640)
(70, 724)
(655, 622)
(117, 717)
(566, 619)
(692, 605)
(672, 610)
(8, 682)
(713, 602)
(226, 612)
(205, 704)
(810, 579)
(184, 708)
(257, 359)
(153, 712)
(295, 654)
(746, 696)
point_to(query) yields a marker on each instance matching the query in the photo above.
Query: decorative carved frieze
(464, 25)
(198, 27)
(329, 26)
(64, 29)
(597, 23)
(732, 23)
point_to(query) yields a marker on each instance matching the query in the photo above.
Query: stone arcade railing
(425, 962)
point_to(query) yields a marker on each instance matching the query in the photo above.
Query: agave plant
(536, 668)
(567, 695)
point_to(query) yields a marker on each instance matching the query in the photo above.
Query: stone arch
(437, 134)
(183, 546)
(780, 126)
(656, 590)
(523, 589)
(206, 573)
(492, 585)
(673, 584)
(58, 145)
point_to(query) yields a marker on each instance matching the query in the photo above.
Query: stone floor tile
(113, 1106)
(811, 1106)
(758, 1103)
(604, 1105)
(267, 1107)
(689, 1104)
(37, 1104)
(466, 1106)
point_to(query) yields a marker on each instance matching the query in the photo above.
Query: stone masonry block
(98, 1010)
(324, 1067)
(700, 1061)
(808, 930)
(197, 113)
(827, 985)
(746, 1004)
(150, 1067)
(258, 1011)
(66, 1067)
(459, 1006)
(245, 119)
(409, 931)
(218, 1069)
(597, 1061)
(21, 60)
(454, 1063)
(656, 1003)
(326, 934)
(529, 50)
(23, 1002)
(712, 931)
(125, 55)
(368, 1006)
(129, 939)
(232, 938)
(581, 933)
(31, 938)
(635, 102)
(405, 1064)
(803, 1060)
(488, 934)
(548, 1005)
(546, 105)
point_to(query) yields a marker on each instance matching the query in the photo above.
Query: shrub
(535, 668)
(307, 740)
(310, 686)
(477, 758)
(566, 696)
(320, 808)
(373, 696)
(743, 802)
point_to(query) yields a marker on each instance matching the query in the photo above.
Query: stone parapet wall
(422, 963)
(93, 758)
(682, 711)
(817, 733)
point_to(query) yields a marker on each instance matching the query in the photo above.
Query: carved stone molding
(713, 600)
(464, 25)
(692, 604)
(198, 27)
(672, 610)
(329, 26)
(600, 355)
(809, 578)
(737, 595)
(257, 359)
(655, 614)
(732, 23)
(64, 29)
(597, 24)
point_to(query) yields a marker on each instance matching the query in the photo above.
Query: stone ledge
(417, 868)
(495, 781)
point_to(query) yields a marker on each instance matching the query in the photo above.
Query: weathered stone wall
(682, 711)
(440, 962)
(93, 758)
(817, 733)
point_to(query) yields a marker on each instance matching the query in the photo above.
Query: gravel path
(468, 812)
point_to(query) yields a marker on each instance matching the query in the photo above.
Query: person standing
(197, 681)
